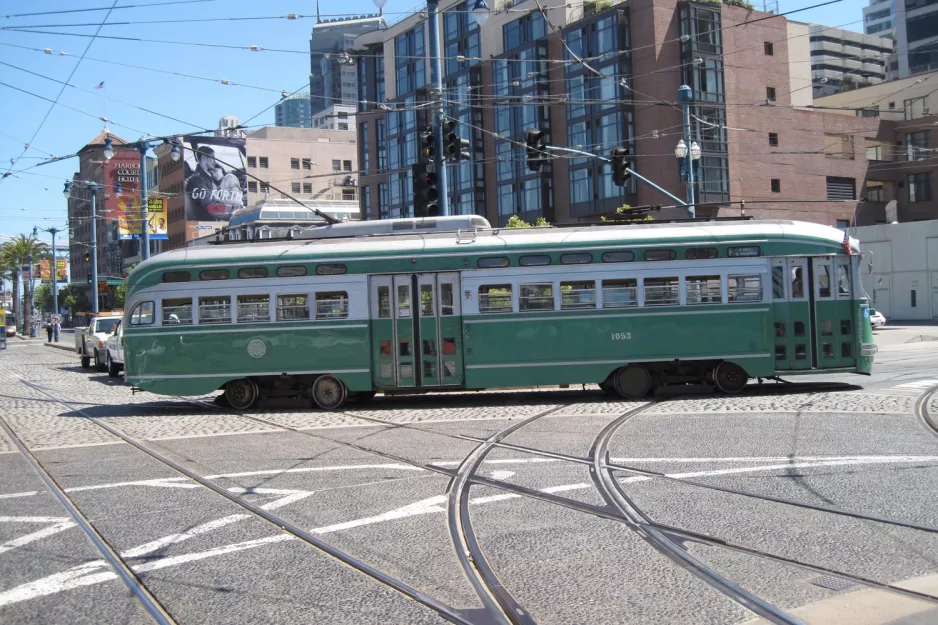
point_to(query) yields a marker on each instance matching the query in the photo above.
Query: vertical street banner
(156, 218)
(128, 217)
(45, 270)
(216, 183)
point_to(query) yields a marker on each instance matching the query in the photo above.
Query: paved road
(381, 483)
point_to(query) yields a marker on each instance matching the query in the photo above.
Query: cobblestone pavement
(354, 483)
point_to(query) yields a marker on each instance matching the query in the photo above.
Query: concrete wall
(904, 261)
(888, 97)
(799, 64)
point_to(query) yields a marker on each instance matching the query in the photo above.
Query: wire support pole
(632, 171)
(686, 95)
(94, 250)
(436, 79)
(144, 213)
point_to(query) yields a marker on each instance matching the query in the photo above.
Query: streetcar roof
(501, 240)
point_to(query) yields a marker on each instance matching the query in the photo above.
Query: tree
(13, 255)
(74, 298)
(516, 222)
(120, 293)
(44, 297)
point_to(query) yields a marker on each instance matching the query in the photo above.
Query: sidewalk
(905, 333)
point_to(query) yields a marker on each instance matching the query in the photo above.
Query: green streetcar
(415, 305)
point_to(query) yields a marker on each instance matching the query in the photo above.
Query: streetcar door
(794, 347)
(825, 312)
(845, 310)
(440, 330)
(416, 330)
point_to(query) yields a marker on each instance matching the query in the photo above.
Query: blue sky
(34, 198)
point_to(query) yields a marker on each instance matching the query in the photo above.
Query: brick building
(519, 72)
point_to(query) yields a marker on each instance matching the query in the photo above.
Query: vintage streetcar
(416, 305)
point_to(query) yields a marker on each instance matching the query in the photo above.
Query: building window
(769, 48)
(347, 165)
(776, 185)
(252, 186)
(294, 163)
(265, 188)
(770, 94)
(363, 158)
(365, 204)
(841, 188)
(843, 224)
(916, 146)
(875, 192)
(348, 194)
(263, 162)
(382, 201)
(307, 163)
(920, 187)
(410, 64)
(294, 187)
(307, 188)
(343, 125)
(252, 161)
(773, 139)
(336, 165)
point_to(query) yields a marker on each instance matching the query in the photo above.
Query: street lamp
(55, 276)
(685, 96)
(175, 153)
(108, 149)
(481, 12)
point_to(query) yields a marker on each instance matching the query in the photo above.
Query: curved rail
(611, 491)
(150, 603)
(921, 409)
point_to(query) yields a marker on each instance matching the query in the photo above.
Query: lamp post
(32, 322)
(685, 96)
(142, 147)
(55, 282)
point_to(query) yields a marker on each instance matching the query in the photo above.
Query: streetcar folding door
(416, 330)
(833, 312)
(794, 337)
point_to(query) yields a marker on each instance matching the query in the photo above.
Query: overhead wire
(105, 8)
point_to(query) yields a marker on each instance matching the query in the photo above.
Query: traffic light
(620, 166)
(87, 257)
(427, 146)
(89, 277)
(536, 141)
(455, 149)
(426, 193)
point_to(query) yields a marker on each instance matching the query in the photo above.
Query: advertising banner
(128, 217)
(156, 218)
(45, 275)
(216, 184)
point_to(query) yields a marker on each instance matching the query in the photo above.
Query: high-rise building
(520, 71)
(332, 76)
(840, 60)
(228, 127)
(293, 112)
(913, 25)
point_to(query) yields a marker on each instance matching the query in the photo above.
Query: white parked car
(877, 319)
(115, 352)
(89, 341)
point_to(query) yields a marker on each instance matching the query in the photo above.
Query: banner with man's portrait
(156, 218)
(216, 184)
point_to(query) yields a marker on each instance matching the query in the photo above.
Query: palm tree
(13, 255)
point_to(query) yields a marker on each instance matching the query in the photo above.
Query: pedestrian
(49, 332)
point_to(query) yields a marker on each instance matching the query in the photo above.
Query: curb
(59, 346)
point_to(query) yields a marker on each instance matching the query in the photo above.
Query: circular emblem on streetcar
(257, 348)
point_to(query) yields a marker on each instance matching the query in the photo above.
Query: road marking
(501, 475)
(87, 574)
(58, 524)
(918, 385)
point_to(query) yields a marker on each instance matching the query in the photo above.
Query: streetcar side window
(576, 295)
(495, 298)
(213, 274)
(580, 258)
(620, 293)
(534, 260)
(215, 309)
(177, 311)
(824, 280)
(253, 308)
(142, 314)
(662, 291)
(291, 271)
(536, 297)
(252, 272)
(330, 270)
(843, 280)
(490, 262)
(651, 255)
(744, 289)
(331, 305)
(292, 307)
(703, 290)
(618, 257)
(699, 253)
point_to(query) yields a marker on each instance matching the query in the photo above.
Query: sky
(175, 102)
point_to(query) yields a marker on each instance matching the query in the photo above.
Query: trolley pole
(436, 79)
(686, 96)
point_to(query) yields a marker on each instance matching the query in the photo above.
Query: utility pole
(94, 249)
(685, 96)
(143, 146)
(32, 323)
(55, 281)
(436, 80)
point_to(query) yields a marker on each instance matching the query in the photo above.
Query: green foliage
(627, 217)
(13, 255)
(739, 3)
(120, 294)
(44, 298)
(516, 222)
(74, 298)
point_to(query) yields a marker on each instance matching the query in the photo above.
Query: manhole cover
(832, 583)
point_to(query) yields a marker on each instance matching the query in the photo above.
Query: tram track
(142, 592)
(921, 410)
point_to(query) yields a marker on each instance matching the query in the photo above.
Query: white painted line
(117, 442)
(918, 385)
(501, 475)
(28, 493)
(28, 538)
(34, 519)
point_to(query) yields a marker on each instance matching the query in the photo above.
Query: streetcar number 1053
(621, 336)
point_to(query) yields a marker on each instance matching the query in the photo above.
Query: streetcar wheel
(85, 362)
(241, 394)
(112, 369)
(328, 392)
(730, 377)
(632, 382)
